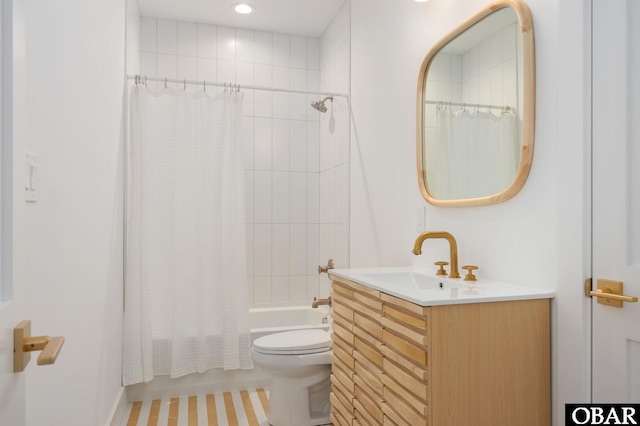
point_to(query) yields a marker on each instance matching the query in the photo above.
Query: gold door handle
(24, 344)
(609, 293)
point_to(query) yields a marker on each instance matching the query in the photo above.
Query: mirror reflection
(476, 98)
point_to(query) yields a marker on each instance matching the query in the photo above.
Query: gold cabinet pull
(24, 344)
(609, 293)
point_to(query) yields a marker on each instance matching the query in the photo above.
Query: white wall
(536, 238)
(293, 167)
(74, 247)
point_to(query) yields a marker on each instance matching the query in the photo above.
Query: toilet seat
(298, 342)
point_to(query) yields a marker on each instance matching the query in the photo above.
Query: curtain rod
(464, 104)
(205, 83)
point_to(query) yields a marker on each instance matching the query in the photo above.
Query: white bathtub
(262, 321)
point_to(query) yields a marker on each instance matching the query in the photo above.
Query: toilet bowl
(300, 366)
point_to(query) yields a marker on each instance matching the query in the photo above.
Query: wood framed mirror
(476, 109)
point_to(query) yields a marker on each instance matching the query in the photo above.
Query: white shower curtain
(477, 153)
(186, 301)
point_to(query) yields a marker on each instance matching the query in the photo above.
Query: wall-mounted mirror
(476, 109)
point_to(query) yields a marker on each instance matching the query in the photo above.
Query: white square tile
(263, 75)
(226, 42)
(280, 104)
(324, 286)
(263, 43)
(281, 80)
(298, 79)
(298, 52)
(298, 197)
(262, 250)
(298, 249)
(280, 200)
(167, 36)
(509, 41)
(496, 49)
(207, 70)
(188, 68)
(244, 45)
(148, 30)
(207, 41)
(313, 286)
(262, 143)
(187, 39)
(280, 146)
(261, 290)
(313, 147)
(281, 44)
(262, 197)
(313, 197)
(298, 289)
(280, 250)
(244, 76)
(226, 71)
(313, 54)
(280, 289)
(497, 94)
(263, 103)
(313, 249)
(167, 66)
(298, 145)
(298, 106)
(148, 64)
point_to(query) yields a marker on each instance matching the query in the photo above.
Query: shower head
(320, 106)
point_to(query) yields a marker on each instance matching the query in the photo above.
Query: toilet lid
(294, 342)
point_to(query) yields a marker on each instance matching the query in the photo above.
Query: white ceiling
(300, 17)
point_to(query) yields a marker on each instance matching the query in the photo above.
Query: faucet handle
(470, 269)
(441, 271)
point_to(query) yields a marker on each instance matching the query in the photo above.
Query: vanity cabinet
(399, 363)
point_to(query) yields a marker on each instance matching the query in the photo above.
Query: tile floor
(234, 408)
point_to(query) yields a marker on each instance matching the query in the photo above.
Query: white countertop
(421, 286)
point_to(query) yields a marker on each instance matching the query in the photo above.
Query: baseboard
(118, 409)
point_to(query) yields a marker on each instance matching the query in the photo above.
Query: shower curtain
(487, 165)
(186, 301)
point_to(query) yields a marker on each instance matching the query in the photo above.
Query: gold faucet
(453, 248)
(317, 302)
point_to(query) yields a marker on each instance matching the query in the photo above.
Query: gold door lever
(609, 293)
(24, 344)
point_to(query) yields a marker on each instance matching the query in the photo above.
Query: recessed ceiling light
(243, 8)
(420, 1)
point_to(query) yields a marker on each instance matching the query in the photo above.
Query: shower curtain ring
(185, 83)
(204, 85)
(145, 81)
(165, 82)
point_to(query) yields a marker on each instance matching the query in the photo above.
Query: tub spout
(317, 302)
(453, 248)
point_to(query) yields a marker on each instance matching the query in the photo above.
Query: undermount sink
(413, 280)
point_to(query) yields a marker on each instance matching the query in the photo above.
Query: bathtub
(262, 321)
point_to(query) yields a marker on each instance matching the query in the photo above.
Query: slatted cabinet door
(400, 364)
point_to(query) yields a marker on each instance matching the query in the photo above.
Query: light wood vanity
(396, 362)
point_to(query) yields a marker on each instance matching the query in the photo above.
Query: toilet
(300, 365)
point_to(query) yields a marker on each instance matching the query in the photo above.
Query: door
(616, 197)
(12, 178)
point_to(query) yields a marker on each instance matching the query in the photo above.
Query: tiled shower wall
(296, 159)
